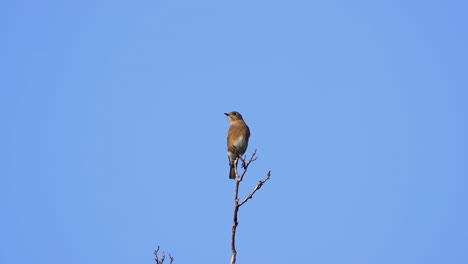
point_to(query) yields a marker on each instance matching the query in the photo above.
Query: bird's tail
(232, 172)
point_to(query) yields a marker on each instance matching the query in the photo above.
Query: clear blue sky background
(113, 134)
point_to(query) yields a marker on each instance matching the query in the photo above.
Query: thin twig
(246, 165)
(259, 185)
(163, 257)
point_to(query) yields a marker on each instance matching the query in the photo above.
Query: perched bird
(237, 140)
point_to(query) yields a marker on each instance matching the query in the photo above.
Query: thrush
(237, 140)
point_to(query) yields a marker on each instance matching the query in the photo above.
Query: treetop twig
(163, 257)
(259, 185)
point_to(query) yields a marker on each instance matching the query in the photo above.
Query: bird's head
(232, 116)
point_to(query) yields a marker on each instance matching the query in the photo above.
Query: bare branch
(163, 257)
(259, 185)
(237, 205)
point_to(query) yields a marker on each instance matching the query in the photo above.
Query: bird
(237, 140)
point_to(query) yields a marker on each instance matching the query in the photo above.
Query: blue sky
(113, 133)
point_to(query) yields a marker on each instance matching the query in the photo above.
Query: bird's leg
(235, 167)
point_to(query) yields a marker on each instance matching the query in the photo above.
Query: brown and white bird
(237, 140)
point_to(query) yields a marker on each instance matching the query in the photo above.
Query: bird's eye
(235, 113)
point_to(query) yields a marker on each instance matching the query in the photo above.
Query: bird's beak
(226, 114)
